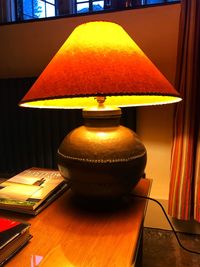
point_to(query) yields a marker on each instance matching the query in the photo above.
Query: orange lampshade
(99, 59)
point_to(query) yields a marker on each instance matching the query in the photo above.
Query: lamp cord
(172, 227)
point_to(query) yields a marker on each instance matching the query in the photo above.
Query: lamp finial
(101, 100)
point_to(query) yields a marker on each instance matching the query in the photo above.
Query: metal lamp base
(102, 159)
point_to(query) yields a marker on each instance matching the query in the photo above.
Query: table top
(67, 234)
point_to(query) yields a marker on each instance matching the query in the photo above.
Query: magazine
(31, 190)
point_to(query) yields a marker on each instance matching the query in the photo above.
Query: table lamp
(100, 68)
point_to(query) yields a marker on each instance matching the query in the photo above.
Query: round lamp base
(102, 159)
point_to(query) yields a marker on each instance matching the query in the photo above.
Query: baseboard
(156, 219)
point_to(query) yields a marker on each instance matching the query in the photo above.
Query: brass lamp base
(102, 159)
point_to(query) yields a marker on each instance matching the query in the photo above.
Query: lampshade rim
(23, 101)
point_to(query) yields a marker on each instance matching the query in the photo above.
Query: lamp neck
(102, 116)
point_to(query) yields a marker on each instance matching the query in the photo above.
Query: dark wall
(30, 137)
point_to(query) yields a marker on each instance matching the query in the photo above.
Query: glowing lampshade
(99, 58)
(100, 62)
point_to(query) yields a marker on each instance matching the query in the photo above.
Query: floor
(160, 249)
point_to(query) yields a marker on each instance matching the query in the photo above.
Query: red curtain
(184, 196)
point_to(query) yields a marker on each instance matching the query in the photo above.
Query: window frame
(91, 6)
(68, 8)
(20, 13)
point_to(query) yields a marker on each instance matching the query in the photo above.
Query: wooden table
(65, 234)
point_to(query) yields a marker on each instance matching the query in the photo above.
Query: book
(31, 190)
(13, 236)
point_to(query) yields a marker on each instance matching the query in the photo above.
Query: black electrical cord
(172, 227)
(175, 233)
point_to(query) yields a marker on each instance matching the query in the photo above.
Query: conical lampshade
(99, 59)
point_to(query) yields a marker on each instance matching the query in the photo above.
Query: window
(85, 6)
(35, 9)
(89, 6)
(151, 2)
(20, 10)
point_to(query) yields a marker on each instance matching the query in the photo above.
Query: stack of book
(31, 190)
(27, 192)
(13, 236)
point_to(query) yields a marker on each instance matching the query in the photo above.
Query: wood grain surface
(73, 234)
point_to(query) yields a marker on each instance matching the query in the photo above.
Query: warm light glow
(120, 101)
(99, 58)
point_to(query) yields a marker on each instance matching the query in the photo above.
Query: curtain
(7, 11)
(184, 195)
